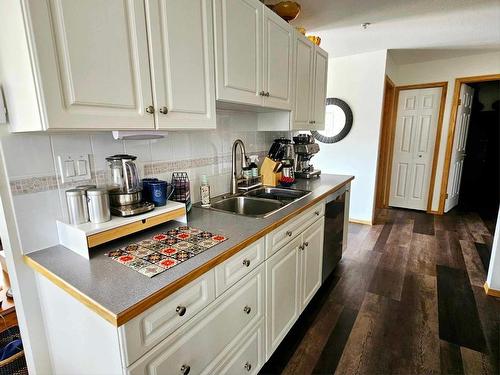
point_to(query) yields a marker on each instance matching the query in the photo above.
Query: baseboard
(491, 292)
(364, 222)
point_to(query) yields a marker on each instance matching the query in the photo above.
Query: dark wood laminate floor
(407, 298)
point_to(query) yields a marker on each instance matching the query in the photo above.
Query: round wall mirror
(338, 121)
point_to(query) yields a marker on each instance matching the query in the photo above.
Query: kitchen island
(118, 299)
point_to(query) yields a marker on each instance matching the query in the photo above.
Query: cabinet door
(303, 81)
(319, 91)
(93, 63)
(238, 46)
(282, 307)
(278, 55)
(312, 261)
(182, 68)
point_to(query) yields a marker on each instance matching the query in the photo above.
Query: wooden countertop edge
(83, 298)
(161, 294)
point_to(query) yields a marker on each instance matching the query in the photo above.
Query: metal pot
(117, 199)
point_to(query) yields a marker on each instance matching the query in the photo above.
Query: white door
(459, 143)
(303, 81)
(93, 58)
(278, 57)
(416, 124)
(319, 89)
(182, 68)
(282, 301)
(312, 261)
(238, 51)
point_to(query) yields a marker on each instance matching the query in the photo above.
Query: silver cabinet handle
(180, 310)
(185, 369)
(246, 262)
(248, 366)
(262, 93)
(247, 309)
(289, 233)
(301, 247)
(316, 213)
(150, 109)
(267, 94)
(306, 244)
(164, 110)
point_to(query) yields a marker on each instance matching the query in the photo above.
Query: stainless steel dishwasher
(336, 221)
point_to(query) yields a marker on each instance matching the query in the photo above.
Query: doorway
(480, 163)
(471, 169)
(407, 161)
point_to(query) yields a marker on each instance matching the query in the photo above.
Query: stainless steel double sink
(260, 202)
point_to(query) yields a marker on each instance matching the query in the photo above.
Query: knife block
(268, 172)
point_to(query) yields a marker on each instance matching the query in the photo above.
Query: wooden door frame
(451, 131)
(386, 151)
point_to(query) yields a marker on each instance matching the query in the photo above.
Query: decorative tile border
(31, 185)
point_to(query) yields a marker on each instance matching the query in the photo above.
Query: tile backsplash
(38, 192)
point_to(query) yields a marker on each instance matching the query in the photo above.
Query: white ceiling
(401, 24)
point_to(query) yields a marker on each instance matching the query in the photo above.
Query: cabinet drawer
(146, 330)
(248, 356)
(239, 265)
(282, 235)
(203, 342)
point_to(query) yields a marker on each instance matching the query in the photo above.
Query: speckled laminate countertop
(119, 294)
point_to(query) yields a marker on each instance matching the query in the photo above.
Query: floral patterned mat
(165, 250)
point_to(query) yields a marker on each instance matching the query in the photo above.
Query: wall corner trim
(491, 292)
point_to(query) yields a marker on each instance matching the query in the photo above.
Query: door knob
(180, 310)
(164, 110)
(150, 109)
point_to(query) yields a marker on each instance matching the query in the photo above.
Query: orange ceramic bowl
(288, 10)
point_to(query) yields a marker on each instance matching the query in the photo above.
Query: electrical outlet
(74, 167)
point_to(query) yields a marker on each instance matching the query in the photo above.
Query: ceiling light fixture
(365, 25)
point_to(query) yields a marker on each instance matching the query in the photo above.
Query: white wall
(493, 278)
(359, 81)
(440, 71)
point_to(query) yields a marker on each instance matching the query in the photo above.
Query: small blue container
(146, 190)
(160, 192)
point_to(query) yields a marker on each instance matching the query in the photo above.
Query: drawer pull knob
(301, 247)
(150, 109)
(181, 310)
(164, 110)
(185, 369)
(248, 366)
(289, 233)
(246, 262)
(247, 309)
(306, 244)
(317, 213)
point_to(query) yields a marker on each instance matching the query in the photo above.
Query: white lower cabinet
(312, 261)
(249, 356)
(282, 300)
(293, 276)
(202, 343)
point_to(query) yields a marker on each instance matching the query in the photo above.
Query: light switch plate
(74, 167)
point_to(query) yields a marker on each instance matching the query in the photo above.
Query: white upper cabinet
(278, 58)
(238, 47)
(319, 91)
(182, 67)
(310, 75)
(112, 64)
(303, 79)
(93, 63)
